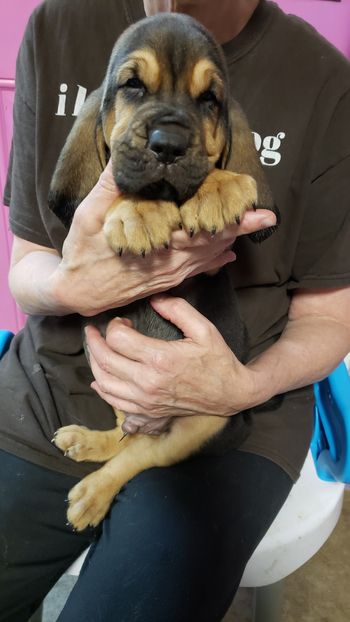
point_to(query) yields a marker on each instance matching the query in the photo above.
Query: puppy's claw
(238, 220)
(120, 252)
(191, 232)
(143, 253)
(213, 231)
(166, 245)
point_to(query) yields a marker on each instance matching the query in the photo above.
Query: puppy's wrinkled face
(164, 109)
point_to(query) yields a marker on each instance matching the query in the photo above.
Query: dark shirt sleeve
(322, 257)
(20, 190)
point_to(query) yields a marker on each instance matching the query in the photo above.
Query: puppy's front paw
(89, 501)
(139, 226)
(221, 200)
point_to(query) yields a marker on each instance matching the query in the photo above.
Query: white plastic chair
(313, 506)
(302, 526)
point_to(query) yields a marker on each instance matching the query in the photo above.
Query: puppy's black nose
(168, 142)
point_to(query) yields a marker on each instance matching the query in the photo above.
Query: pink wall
(332, 19)
(13, 18)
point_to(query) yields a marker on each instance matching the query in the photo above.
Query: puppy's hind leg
(90, 500)
(81, 444)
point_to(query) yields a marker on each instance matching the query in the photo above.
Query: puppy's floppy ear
(240, 156)
(81, 161)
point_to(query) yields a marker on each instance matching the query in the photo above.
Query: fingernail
(122, 320)
(229, 257)
(268, 222)
(159, 297)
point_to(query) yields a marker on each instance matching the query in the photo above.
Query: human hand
(91, 278)
(196, 375)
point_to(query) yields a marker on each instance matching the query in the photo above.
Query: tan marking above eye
(205, 76)
(122, 116)
(143, 64)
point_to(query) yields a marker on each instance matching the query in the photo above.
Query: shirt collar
(237, 47)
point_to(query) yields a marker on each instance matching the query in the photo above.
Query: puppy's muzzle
(168, 142)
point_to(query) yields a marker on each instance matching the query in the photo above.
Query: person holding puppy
(175, 544)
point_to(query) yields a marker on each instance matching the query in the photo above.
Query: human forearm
(306, 352)
(31, 284)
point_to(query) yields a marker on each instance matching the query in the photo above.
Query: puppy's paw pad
(125, 230)
(160, 219)
(74, 441)
(140, 226)
(237, 193)
(88, 504)
(221, 200)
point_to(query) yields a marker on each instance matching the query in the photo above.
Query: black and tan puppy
(182, 155)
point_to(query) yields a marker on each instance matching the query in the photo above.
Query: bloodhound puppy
(183, 156)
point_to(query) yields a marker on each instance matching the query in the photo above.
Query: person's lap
(173, 546)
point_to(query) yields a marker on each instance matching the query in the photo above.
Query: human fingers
(117, 402)
(127, 342)
(214, 264)
(179, 312)
(104, 359)
(253, 221)
(91, 212)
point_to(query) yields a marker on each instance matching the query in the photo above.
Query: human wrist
(253, 389)
(58, 294)
(30, 281)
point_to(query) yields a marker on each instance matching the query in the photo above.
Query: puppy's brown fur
(164, 116)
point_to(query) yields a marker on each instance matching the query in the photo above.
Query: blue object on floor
(330, 445)
(5, 340)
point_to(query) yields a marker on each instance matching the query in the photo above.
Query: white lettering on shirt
(267, 146)
(62, 97)
(80, 99)
(61, 110)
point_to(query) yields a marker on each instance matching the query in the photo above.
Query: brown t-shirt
(295, 90)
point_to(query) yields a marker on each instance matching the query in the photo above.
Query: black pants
(173, 547)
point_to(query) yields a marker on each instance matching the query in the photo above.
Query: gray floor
(57, 597)
(317, 592)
